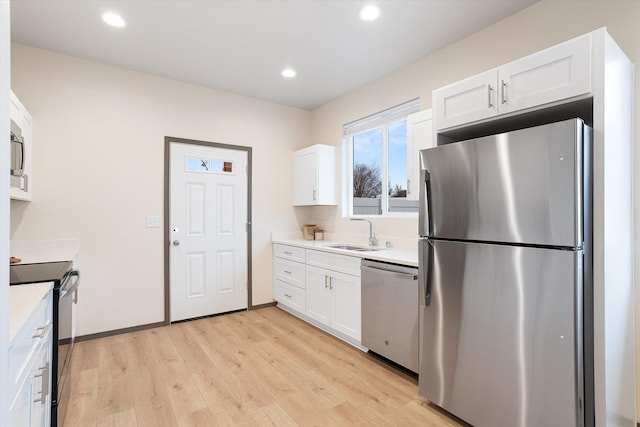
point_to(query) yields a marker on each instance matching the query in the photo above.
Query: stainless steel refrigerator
(505, 277)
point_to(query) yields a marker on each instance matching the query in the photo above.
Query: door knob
(176, 243)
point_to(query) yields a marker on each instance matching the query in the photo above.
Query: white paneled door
(208, 230)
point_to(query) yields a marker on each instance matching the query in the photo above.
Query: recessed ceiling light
(288, 73)
(370, 13)
(113, 19)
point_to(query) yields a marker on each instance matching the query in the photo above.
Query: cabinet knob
(176, 243)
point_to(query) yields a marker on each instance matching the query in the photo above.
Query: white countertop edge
(23, 299)
(392, 255)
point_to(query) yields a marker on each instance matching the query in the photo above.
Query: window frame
(383, 119)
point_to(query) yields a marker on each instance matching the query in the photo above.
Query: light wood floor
(262, 367)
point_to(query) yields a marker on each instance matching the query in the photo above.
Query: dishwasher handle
(384, 272)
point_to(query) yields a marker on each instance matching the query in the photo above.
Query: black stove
(22, 274)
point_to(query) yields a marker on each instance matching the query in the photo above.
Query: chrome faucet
(373, 241)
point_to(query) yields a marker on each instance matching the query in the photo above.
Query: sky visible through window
(367, 149)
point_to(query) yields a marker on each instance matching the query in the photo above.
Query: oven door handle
(73, 287)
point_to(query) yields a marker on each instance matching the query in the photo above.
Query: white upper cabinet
(21, 123)
(315, 176)
(554, 74)
(419, 137)
(466, 101)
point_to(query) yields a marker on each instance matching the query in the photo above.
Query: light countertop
(400, 255)
(23, 299)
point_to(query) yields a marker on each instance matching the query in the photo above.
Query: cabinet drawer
(289, 252)
(289, 271)
(289, 295)
(342, 263)
(28, 339)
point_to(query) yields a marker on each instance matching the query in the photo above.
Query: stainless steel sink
(348, 247)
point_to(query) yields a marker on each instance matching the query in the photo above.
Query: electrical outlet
(153, 221)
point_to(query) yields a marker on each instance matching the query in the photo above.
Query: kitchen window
(375, 164)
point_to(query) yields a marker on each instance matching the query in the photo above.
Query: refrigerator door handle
(425, 272)
(425, 223)
(427, 292)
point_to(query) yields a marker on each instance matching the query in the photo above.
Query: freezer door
(500, 343)
(518, 187)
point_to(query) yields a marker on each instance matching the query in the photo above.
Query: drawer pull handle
(503, 95)
(44, 392)
(287, 271)
(287, 253)
(287, 295)
(42, 331)
(325, 281)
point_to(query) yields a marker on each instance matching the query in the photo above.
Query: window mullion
(350, 174)
(385, 171)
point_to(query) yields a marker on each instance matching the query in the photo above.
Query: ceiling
(241, 46)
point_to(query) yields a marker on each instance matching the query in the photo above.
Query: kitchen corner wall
(98, 171)
(544, 24)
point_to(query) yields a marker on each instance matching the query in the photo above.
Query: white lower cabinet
(327, 294)
(333, 299)
(289, 277)
(30, 369)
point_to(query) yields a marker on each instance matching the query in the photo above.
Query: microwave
(17, 151)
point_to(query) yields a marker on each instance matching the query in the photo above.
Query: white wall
(542, 25)
(98, 171)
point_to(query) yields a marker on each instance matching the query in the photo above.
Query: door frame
(167, 206)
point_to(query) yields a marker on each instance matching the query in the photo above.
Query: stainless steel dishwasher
(390, 311)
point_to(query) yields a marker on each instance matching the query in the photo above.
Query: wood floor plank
(257, 368)
(125, 418)
(161, 346)
(273, 415)
(152, 403)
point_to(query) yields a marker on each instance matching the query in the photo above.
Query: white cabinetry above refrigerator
(554, 74)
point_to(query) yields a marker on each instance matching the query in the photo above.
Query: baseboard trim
(259, 306)
(155, 325)
(118, 331)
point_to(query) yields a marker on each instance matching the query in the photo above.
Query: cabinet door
(32, 403)
(318, 295)
(419, 137)
(466, 101)
(20, 409)
(305, 177)
(345, 304)
(315, 176)
(554, 74)
(41, 387)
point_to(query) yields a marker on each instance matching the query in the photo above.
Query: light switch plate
(153, 221)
